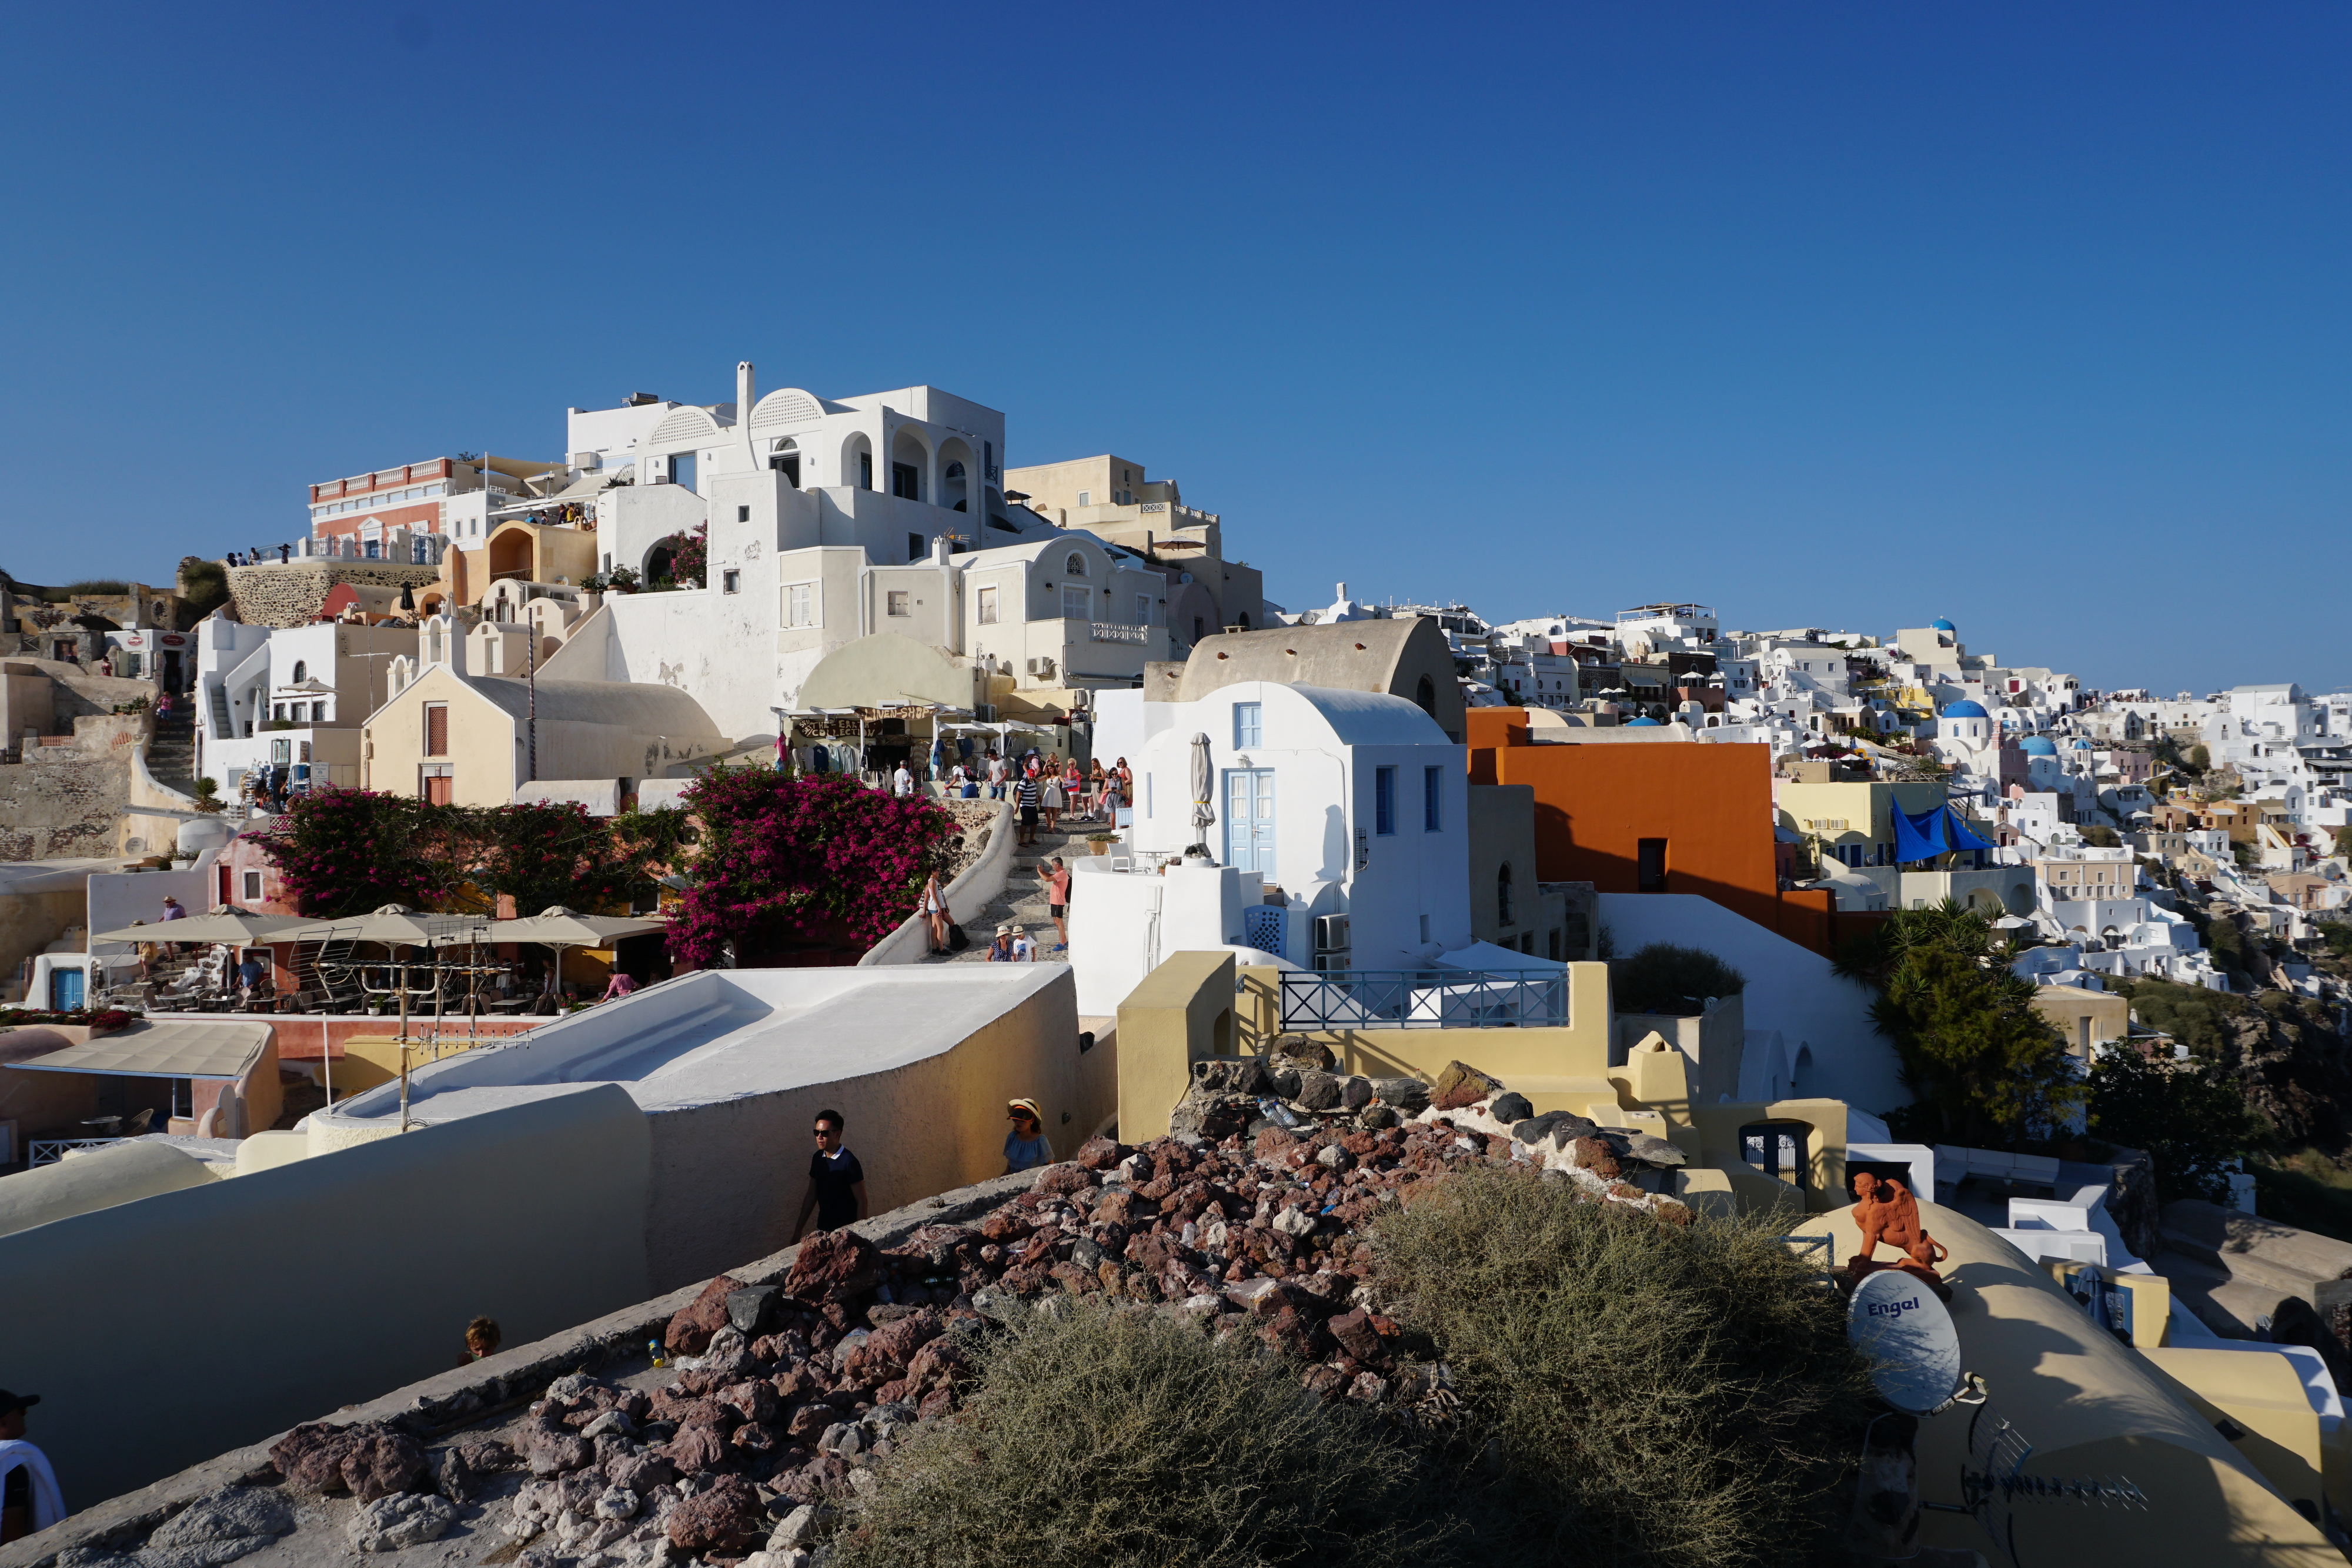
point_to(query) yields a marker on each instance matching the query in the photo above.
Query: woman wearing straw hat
(1026, 1147)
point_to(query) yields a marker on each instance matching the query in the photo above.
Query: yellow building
(449, 736)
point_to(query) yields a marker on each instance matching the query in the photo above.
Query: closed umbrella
(1205, 792)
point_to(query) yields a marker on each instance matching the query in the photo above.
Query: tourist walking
(995, 777)
(1026, 1146)
(999, 950)
(934, 911)
(836, 1190)
(902, 783)
(1025, 796)
(1057, 898)
(1052, 801)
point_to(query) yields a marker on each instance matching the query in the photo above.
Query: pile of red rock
(788, 1391)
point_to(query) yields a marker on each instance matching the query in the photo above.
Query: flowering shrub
(101, 1023)
(539, 855)
(785, 859)
(347, 852)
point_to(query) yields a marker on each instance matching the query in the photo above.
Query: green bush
(2197, 1017)
(203, 588)
(1106, 1437)
(2305, 1189)
(1665, 979)
(97, 587)
(2193, 1124)
(1662, 1396)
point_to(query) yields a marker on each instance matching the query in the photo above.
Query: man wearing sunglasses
(836, 1191)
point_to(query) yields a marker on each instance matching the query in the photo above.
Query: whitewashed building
(1339, 840)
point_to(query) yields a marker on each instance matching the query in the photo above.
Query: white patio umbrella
(224, 923)
(558, 927)
(1204, 792)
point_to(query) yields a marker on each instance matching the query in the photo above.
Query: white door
(1249, 819)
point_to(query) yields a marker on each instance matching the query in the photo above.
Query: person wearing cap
(29, 1497)
(1026, 1147)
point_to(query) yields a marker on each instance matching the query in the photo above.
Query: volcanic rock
(690, 1330)
(1461, 1084)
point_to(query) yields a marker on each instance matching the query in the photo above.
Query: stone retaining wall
(292, 594)
(454, 1400)
(63, 801)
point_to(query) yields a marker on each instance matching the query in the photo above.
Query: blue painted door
(64, 989)
(1249, 818)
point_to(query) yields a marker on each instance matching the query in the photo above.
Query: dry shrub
(1110, 1439)
(1662, 1396)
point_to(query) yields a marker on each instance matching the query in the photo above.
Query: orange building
(1653, 817)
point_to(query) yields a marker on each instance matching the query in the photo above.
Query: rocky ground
(757, 1438)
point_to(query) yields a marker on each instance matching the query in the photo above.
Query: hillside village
(533, 846)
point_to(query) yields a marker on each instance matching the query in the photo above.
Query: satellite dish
(1896, 1321)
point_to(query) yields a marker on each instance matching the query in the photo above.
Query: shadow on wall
(1790, 989)
(225, 1312)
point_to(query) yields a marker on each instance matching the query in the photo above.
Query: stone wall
(68, 801)
(291, 594)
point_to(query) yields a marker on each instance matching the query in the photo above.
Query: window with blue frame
(1246, 725)
(1433, 796)
(1384, 801)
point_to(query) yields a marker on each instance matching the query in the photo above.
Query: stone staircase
(1023, 903)
(2232, 1270)
(172, 753)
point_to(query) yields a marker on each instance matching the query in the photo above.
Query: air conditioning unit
(586, 462)
(1041, 668)
(1081, 699)
(1330, 934)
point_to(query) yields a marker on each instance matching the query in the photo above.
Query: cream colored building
(449, 735)
(1109, 497)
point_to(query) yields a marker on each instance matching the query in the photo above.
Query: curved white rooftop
(716, 1035)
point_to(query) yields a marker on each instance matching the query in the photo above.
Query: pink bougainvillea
(786, 861)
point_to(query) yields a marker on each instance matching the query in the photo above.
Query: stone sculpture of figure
(1869, 1212)
(1888, 1214)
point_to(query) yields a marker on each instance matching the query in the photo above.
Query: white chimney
(742, 390)
(1343, 591)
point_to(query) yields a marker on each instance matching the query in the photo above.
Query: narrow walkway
(1022, 904)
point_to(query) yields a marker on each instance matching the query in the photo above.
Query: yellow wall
(1174, 1019)
(481, 742)
(2091, 1406)
(1183, 1012)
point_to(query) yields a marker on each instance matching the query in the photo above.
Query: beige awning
(163, 1050)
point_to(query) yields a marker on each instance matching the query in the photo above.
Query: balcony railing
(1109, 632)
(1423, 999)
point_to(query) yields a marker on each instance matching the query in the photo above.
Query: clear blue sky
(2033, 317)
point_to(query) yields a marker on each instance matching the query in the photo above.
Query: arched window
(1076, 566)
(1425, 695)
(300, 670)
(1502, 889)
(955, 470)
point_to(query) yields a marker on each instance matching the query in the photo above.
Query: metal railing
(49, 1151)
(1424, 999)
(1112, 632)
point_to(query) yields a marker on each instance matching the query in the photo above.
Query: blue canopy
(1921, 837)
(1962, 839)
(1931, 833)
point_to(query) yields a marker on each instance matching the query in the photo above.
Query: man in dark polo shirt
(836, 1191)
(28, 1488)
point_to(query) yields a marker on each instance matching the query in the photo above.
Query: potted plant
(1100, 844)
